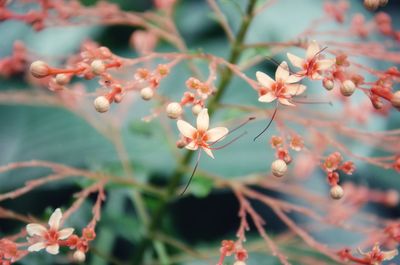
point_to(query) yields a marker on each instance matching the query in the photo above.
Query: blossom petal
(65, 233)
(295, 78)
(36, 229)
(295, 60)
(295, 89)
(286, 102)
(36, 247)
(216, 134)
(282, 72)
(208, 152)
(53, 249)
(269, 97)
(316, 76)
(264, 79)
(325, 64)
(192, 146)
(389, 255)
(203, 120)
(312, 50)
(186, 129)
(55, 219)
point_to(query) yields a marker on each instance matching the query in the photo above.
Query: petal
(295, 89)
(203, 120)
(208, 152)
(55, 219)
(269, 97)
(216, 134)
(286, 102)
(316, 76)
(312, 50)
(36, 247)
(389, 255)
(186, 129)
(295, 60)
(325, 64)
(53, 249)
(36, 229)
(282, 72)
(264, 79)
(65, 233)
(192, 146)
(294, 78)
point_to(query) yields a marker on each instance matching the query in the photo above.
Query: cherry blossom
(202, 135)
(48, 238)
(282, 88)
(312, 66)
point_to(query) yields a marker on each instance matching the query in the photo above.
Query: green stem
(178, 174)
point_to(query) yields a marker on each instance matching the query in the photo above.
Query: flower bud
(347, 89)
(174, 110)
(239, 262)
(147, 93)
(39, 69)
(62, 79)
(396, 99)
(278, 168)
(98, 67)
(196, 109)
(328, 84)
(101, 104)
(371, 4)
(79, 256)
(383, 2)
(336, 192)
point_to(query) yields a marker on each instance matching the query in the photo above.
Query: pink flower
(282, 88)
(201, 136)
(48, 238)
(312, 66)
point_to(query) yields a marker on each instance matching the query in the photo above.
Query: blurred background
(201, 219)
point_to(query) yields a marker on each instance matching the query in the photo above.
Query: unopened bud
(174, 110)
(101, 104)
(98, 67)
(347, 89)
(79, 256)
(62, 79)
(396, 99)
(239, 262)
(196, 109)
(39, 69)
(328, 84)
(147, 93)
(336, 192)
(371, 4)
(278, 168)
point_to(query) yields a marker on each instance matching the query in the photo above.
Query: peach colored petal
(203, 120)
(216, 134)
(53, 249)
(269, 97)
(312, 50)
(65, 233)
(264, 79)
(36, 247)
(295, 60)
(295, 89)
(55, 219)
(186, 129)
(208, 152)
(316, 76)
(294, 78)
(286, 102)
(192, 146)
(36, 229)
(325, 64)
(282, 72)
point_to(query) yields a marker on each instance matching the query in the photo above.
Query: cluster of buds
(150, 81)
(229, 248)
(331, 165)
(16, 63)
(9, 252)
(382, 89)
(374, 4)
(374, 257)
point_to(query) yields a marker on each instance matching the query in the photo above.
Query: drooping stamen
(233, 130)
(313, 102)
(230, 142)
(279, 65)
(269, 124)
(193, 172)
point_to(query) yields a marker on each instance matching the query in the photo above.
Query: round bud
(62, 79)
(383, 2)
(118, 98)
(147, 93)
(392, 198)
(98, 67)
(336, 192)
(328, 84)
(181, 144)
(39, 69)
(101, 104)
(79, 256)
(239, 262)
(278, 168)
(396, 99)
(347, 89)
(371, 4)
(174, 110)
(196, 109)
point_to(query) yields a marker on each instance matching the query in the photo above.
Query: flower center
(200, 138)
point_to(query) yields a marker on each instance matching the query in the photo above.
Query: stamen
(191, 176)
(269, 124)
(230, 142)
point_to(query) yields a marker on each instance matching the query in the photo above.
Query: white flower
(201, 136)
(48, 238)
(311, 66)
(282, 88)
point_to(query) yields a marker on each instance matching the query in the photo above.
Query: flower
(282, 88)
(201, 136)
(376, 256)
(312, 65)
(48, 238)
